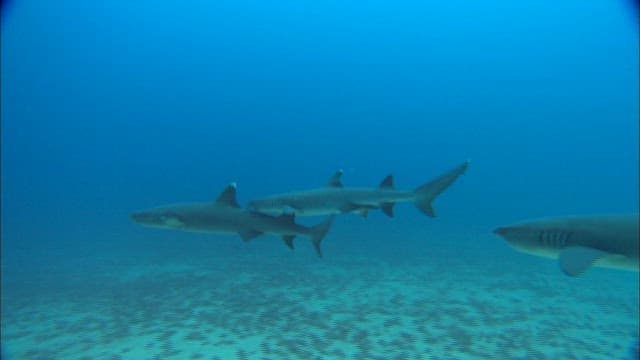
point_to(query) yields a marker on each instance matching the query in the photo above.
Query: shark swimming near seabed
(335, 198)
(224, 216)
(579, 242)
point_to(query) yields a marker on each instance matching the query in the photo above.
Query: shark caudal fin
(426, 193)
(318, 232)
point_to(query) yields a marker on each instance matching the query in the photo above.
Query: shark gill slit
(556, 239)
(566, 238)
(542, 238)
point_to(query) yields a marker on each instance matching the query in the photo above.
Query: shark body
(224, 216)
(578, 242)
(335, 198)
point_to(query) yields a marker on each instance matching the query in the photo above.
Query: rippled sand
(288, 307)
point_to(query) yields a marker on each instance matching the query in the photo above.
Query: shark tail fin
(318, 232)
(425, 194)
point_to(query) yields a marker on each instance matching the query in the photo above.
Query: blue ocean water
(108, 108)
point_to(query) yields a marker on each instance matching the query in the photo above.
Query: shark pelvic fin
(249, 234)
(228, 196)
(335, 180)
(575, 260)
(387, 208)
(387, 183)
(288, 240)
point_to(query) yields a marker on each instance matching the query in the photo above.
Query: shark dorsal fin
(387, 183)
(335, 180)
(228, 196)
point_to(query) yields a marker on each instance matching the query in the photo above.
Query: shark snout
(140, 217)
(508, 233)
(501, 231)
(516, 236)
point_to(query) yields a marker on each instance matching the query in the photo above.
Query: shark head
(164, 218)
(535, 239)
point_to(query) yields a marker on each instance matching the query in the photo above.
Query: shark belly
(211, 225)
(609, 260)
(619, 262)
(316, 211)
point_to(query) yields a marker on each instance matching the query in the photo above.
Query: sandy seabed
(247, 307)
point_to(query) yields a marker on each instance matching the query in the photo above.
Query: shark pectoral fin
(387, 208)
(288, 240)
(363, 212)
(247, 235)
(575, 260)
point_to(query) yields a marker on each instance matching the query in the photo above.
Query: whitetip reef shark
(579, 242)
(225, 216)
(335, 198)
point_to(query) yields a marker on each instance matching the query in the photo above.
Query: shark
(335, 198)
(225, 216)
(579, 242)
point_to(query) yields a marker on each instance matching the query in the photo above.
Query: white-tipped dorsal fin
(387, 183)
(336, 179)
(228, 196)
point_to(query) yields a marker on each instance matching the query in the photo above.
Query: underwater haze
(113, 107)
